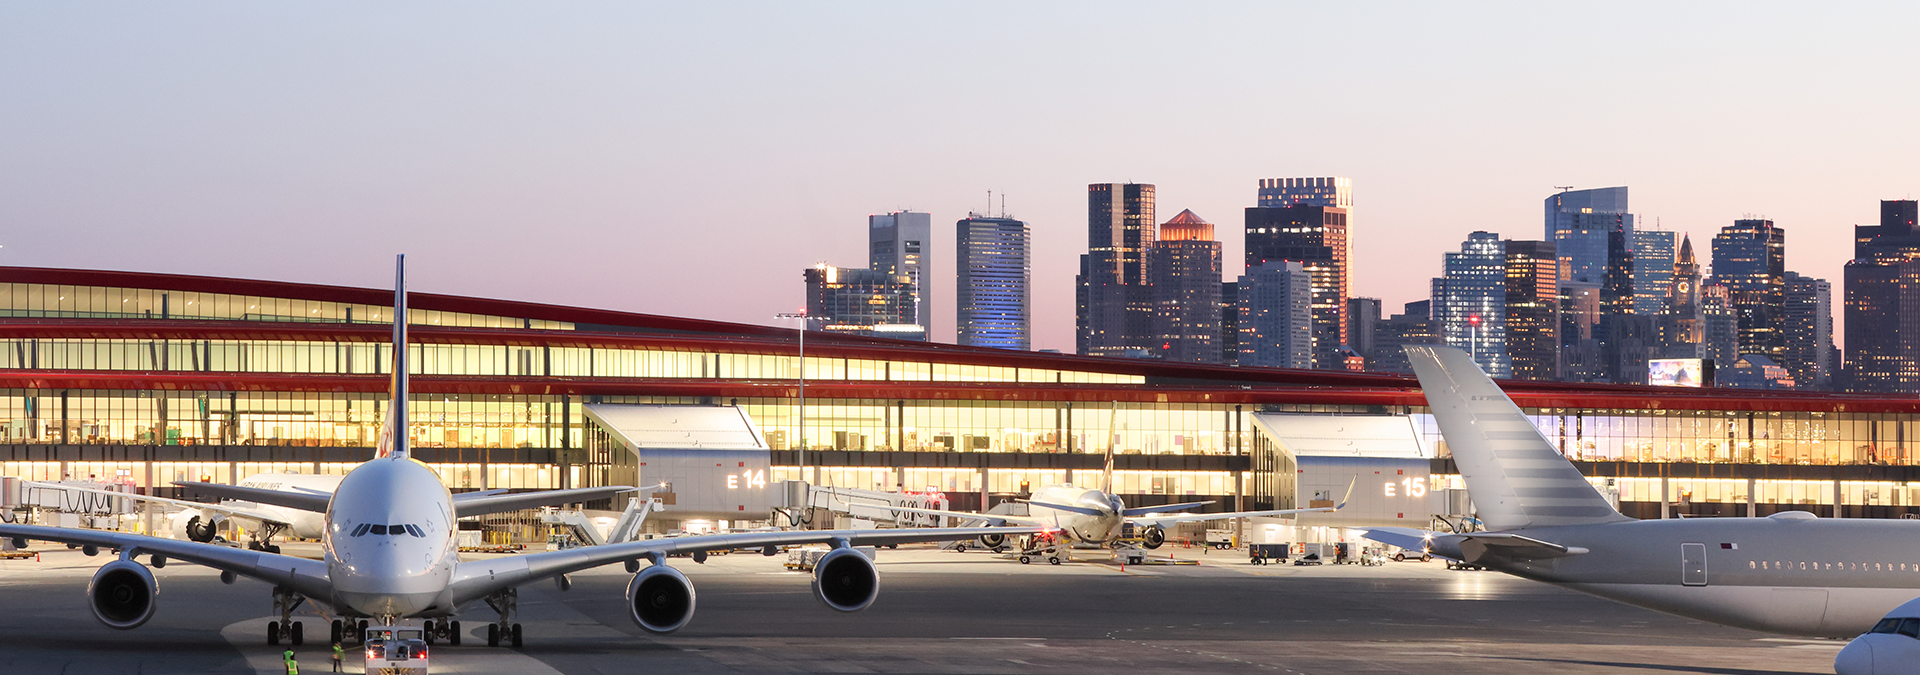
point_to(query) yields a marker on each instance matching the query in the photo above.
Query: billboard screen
(1680, 372)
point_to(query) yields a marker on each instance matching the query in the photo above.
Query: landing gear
(339, 632)
(506, 603)
(285, 601)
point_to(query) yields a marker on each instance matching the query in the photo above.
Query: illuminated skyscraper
(1470, 302)
(1882, 314)
(899, 244)
(993, 300)
(1185, 264)
(861, 302)
(1322, 191)
(1653, 263)
(1316, 237)
(1749, 258)
(1533, 309)
(1592, 233)
(1683, 319)
(1363, 319)
(1276, 316)
(1808, 322)
(1114, 297)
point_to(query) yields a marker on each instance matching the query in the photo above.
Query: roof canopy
(643, 427)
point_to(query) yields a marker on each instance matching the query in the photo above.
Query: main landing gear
(443, 630)
(286, 629)
(506, 603)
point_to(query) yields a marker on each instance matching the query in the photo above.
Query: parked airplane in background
(1892, 647)
(391, 553)
(1788, 573)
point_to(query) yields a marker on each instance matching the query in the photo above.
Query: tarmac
(942, 612)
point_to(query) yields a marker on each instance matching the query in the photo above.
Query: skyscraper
(1230, 322)
(1653, 265)
(898, 244)
(1749, 258)
(1185, 265)
(1412, 326)
(1316, 237)
(861, 302)
(1363, 317)
(1276, 316)
(1808, 322)
(1683, 321)
(1114, 298)
(1533, 309)
(1592, 233)
(993, 300)
(1322, 191)
(1722, 327)
(1882, 314)
(1470, 302)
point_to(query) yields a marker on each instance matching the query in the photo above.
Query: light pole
(802, 416)
(1473, 337)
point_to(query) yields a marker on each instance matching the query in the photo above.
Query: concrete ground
(944, 612)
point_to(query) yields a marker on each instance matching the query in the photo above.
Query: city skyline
(558, 172)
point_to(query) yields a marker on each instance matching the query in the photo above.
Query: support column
(983, 489)
(1751, 485)
(1838, 511)
(1665, 501)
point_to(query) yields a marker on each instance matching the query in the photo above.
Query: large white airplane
(1097, 518)
(1787, 573)
(390, 552)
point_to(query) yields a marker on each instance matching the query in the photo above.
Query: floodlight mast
(802, 407)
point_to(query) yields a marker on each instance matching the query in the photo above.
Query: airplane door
(1693, 564)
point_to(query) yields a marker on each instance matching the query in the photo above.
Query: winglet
(1349, 497)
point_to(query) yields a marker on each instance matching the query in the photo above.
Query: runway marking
(1114, 635)
(1029, 639)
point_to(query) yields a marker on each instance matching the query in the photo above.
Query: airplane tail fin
(393, 437)
(1113, 436)
(1516, 477)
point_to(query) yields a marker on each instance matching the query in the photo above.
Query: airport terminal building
(150, 378)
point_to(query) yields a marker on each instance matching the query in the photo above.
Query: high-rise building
(1363, 317)
(1592, 233)
(1276, 316)
(1322, 191)
(1316, 237)
(1808, 320)
(1114, 295)
(993, 301)
(1722, 327)
(899, 244)
(1581, 330)
(1230, 323)
(1533, 309)
(1653, 266)
(1683, 320)
(852, 301)
(1412, 326)
(1749, 258)
(1470, 302)
(1882, 313)
(1185, 264)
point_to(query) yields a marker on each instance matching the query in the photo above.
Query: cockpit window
(1885, 626)
(393, 530)
(362, 529)
(1909, 628)
(415, 531)
(379, 529)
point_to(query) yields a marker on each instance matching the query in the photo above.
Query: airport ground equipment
(396, 650)
(805, 558)
(1262, 554)
(582, 530)
(1220, 539)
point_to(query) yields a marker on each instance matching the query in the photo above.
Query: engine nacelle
(660, 599)
(1153, 537)
(121, 594)
(845, 580)
(194, 525)
(993, 540)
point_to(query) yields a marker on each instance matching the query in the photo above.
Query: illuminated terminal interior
(148, 379)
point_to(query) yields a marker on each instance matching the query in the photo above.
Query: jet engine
(845, 580)
(660, 598)
(121, 594)
(993, 541)
(194, 525)
(1153, 537)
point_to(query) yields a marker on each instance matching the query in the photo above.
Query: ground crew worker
(293, 666)
(337, 655)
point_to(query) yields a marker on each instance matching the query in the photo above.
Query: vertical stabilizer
(393, 438)
(1113, 436)
(1517, 478)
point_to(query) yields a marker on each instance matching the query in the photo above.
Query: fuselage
(1825, 577)
(1086, 516)
(390, 544)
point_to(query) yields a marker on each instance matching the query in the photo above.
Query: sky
(692, 159)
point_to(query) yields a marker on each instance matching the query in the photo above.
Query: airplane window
(1909, 628)
(396, 529)
(379, 529)
(1885, 626)
(360, 529)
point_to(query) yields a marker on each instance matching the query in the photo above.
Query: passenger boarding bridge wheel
(1053, 560)
(1025, 559)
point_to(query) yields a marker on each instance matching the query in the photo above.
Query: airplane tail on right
(1516, 477)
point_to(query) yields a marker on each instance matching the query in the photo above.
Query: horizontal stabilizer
(1402, 537)
(1478, 547)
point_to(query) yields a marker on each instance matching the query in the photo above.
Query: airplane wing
(1162, 521)
(1474, 547)
(256, 514)
(994, 519)
(476, 579)
(308, 577)
(303, 501)
(1144, 510)
(481, 503)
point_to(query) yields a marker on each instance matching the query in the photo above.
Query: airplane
(1790, 573)
(391, 554)
(1892, 647)
(1090, 518)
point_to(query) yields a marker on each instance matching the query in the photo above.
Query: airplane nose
(1855, 659)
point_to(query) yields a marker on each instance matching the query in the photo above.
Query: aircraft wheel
(493, 635)
(516, 636)
(428, 633)
(1025, 559)
(299, 635)
(273, 632)
(1053, 560)
(453, 634)
(339, 631)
